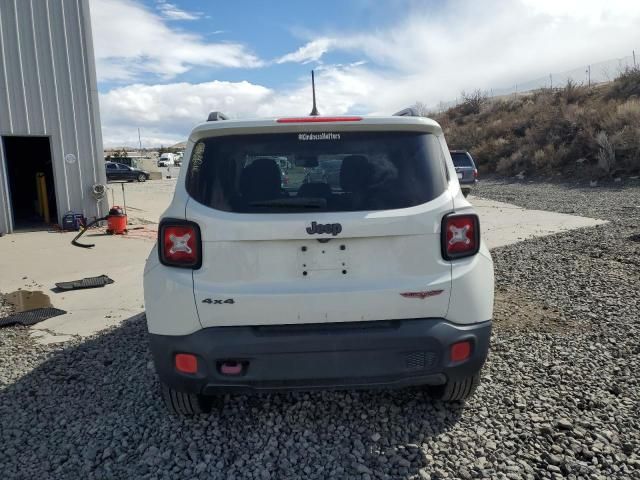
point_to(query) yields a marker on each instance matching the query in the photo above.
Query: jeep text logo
(332, 228)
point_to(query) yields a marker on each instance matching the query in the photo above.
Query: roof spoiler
(407, 112)
(215, 116)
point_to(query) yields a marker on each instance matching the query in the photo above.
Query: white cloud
(172, 12)
(427, 57)
(310, 52)
(166, 113)
(433, 55)
(131, 41)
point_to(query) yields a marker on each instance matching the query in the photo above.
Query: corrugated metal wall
(48, 88)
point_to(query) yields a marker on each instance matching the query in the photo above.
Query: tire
(142, 178)
(184, 404)
(455, 391)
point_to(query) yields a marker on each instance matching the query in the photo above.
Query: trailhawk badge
(422, 295)
(332, 228)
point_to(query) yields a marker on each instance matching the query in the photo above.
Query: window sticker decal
(305, 137)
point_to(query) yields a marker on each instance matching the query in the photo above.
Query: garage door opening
(31, 185)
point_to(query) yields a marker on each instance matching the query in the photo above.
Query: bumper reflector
(186, 363)
(460, 351)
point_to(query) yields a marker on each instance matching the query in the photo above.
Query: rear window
(461, 159)
(319, 172)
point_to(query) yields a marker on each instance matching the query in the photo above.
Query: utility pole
(634, 59)
(139, 140)
(589, 75)
(551, 80)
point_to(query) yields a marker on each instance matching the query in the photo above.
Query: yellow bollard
(43, 198)
(39, 200)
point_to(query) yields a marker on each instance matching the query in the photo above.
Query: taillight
(475, 173)
(179, 244)
(460, 236)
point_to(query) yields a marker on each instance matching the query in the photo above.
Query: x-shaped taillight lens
(179, 244)
(460, 236)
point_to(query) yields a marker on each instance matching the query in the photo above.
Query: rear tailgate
(264, 266)
(269, 270)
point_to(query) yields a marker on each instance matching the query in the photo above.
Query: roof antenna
(314, 110)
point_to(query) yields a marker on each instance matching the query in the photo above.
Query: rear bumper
(336, 355)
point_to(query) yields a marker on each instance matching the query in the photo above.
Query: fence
(599, 72)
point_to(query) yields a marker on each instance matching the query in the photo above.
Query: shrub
(626, 84)
(607, 154)
(572, 92)
(540, 159)
(629, 112)
(473, 102)
(505, 166)
(548, 131)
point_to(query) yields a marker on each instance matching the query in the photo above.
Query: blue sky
(271, 30)
(164, 64)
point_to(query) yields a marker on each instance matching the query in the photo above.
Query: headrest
(355, 173)
(261, 180)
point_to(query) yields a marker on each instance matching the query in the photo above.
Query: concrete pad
(503, 224)
(146, 201)
(37, 260)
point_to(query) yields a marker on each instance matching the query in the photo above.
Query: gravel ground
(560, 394)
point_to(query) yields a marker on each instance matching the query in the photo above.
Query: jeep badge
(332, 228)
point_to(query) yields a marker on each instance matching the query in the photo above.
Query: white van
(167, 160)
(377, 279)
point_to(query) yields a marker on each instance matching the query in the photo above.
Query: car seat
(260, 181)
(355, 178)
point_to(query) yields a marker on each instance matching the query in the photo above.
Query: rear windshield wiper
(292, 203)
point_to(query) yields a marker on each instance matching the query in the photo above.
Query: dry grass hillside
(590, 132)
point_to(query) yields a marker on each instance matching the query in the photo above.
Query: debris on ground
(30, 317)
(89, 282)
(25, 307)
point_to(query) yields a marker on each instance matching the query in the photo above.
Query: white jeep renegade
(317, 252)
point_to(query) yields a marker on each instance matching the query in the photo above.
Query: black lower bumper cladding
(334, 355)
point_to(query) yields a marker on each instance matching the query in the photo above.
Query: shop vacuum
(116, 223)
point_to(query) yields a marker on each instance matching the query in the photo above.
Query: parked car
(332, 172)
(167, 160)
(120, 171)
(465, 169)
(315, 175)
(327, 171)
(383, 281)
(284, 179)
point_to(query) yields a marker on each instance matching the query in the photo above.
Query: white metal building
(50, 138)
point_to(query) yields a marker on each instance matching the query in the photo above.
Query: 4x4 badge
(332, 228)
(217, 301)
